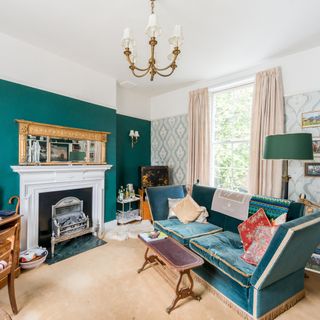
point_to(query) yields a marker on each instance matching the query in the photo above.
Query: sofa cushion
(184, 232)
(223, 250)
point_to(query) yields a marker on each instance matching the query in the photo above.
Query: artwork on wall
(152, 176)
(59, 151)
(314, 262)
(316, 147)
(312, 169)
(310, 119)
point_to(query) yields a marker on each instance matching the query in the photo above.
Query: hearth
(69, 221)
(64, 215)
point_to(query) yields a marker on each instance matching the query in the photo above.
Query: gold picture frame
(310, 119)
(49, 131)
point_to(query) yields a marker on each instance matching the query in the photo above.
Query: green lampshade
(291, 146)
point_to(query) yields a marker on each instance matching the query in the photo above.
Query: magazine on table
(153, 236)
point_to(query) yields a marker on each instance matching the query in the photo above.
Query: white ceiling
(221, 36)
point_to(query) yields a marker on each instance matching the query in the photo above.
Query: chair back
(7, 252)
(158, 199)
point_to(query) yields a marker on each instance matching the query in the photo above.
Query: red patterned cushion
(247, 228)
(259, 245)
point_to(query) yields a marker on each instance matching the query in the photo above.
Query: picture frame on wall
(316, 147)
(310, 119)
(314, 262)
(312, 169)
(59, 152)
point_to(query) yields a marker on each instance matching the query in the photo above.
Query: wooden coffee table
(173, 254)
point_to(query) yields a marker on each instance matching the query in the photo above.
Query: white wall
(133, 103)
(301, 73)
(23, 63)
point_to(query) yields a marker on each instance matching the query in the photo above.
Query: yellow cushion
(187, 210)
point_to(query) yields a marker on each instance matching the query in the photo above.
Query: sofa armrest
(289, 250)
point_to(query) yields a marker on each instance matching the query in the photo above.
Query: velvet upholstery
(223, 250)
(298, 237)
(158, 199)
(261, 292)
(184, 232)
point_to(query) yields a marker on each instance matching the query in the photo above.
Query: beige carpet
(103, 284)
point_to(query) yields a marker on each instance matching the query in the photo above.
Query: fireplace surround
(35, 180)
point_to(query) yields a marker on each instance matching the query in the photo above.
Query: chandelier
(153, 31)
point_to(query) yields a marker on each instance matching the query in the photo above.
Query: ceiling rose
(153, 30)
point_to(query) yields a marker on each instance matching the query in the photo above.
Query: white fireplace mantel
(38, 179)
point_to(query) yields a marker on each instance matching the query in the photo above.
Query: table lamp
(290, 146)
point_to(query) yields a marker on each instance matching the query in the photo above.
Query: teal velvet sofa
(261, 292)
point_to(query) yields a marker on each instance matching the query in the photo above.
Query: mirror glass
(62, 150)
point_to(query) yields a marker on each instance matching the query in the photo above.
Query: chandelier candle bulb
(126, 34)
(177, 31)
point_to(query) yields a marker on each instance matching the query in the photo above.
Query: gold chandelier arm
(146, 69)
(175, 52)
(140, 75)
(166, 75)
(127, 53)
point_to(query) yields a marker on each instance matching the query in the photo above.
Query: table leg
(148, 260)
(182, 293)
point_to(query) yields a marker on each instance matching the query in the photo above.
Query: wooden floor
(102, 284)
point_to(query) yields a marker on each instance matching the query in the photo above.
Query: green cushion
(184, 232)
(223, 250)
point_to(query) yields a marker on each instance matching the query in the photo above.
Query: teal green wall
(21, 102)
(130, 159)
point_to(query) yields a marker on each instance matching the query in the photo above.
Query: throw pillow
(203, 215)
(247, 228)
(259, 245)
(171, 204)
(280, 220)
(187, 210)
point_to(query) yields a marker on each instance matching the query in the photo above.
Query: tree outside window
(231, 137)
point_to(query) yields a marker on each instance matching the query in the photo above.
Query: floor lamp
(290, 146)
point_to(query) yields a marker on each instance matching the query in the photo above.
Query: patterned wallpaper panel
(294, 107)
(169, 143)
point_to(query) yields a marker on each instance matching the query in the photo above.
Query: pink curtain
(199, 136)
(267, 119)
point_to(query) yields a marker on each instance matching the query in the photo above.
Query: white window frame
(214, 90)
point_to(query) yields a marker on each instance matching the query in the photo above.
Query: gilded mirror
(44, 144)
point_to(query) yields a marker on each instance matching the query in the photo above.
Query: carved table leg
(148, 260)
(182, 293)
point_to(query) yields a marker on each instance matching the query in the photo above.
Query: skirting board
(110, 225)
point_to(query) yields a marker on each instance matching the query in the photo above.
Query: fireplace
(39, 181)
(64, 215)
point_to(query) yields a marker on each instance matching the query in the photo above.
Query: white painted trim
(110, 225)
(38, 179)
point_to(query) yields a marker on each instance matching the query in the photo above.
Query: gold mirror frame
(52, 131)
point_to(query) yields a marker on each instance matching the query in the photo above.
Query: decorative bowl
(35, 263)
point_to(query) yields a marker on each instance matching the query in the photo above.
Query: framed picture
(316, 147)
(310, 119)
(59, 151)
(314, 262)
(152, 176)
(312, 169)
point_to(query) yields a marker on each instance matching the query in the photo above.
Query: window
(231, 137)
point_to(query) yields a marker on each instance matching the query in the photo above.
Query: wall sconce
(134, 135)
